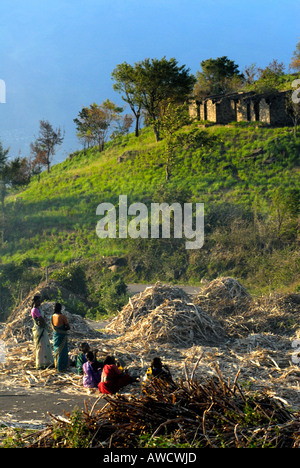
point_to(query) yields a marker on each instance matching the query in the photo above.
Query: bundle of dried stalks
(277, 313)
(142, 304)
(177, 323)
(240, 314)
(213, 413)
(165, 314)
(224, 288)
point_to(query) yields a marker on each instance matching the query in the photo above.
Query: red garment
(112, 379)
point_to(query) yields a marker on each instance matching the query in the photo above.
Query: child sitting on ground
(92, 370)
(158, 370)
(81, 358)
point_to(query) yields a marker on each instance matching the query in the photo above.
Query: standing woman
(43, 352)
(60, 327)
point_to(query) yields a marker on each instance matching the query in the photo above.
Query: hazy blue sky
(57, 55)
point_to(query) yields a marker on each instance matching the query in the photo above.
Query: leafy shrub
(108, 295)
(72, 278)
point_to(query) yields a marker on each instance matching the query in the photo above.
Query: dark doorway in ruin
(256, 111)
(234, 111)
(205, 110)
(248, 112)
(198, 110)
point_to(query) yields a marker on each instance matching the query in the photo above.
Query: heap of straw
(225, 288)
(165, 315)
(222, 296)
(141, 304)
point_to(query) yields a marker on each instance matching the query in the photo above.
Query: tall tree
(218, 76)
(126, 81)
(84, 132)
(150, 83)
(160, 81)
(44, 147)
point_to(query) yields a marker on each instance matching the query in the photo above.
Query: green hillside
(249, 183)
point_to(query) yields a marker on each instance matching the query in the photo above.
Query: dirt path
(29, 409)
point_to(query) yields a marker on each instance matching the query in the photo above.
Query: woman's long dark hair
(57, 308)
(35, 300)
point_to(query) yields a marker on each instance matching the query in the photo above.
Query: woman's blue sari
(60, 347)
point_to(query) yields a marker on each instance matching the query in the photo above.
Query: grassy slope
(53, 220)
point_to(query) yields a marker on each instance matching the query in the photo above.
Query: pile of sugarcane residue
(165, 314)
(223, 325)
(213, 413)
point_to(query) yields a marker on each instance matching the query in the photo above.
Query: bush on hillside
(108, 295)
(72, 278)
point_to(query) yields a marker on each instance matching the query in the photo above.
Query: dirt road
(30, 410)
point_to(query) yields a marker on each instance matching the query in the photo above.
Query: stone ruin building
(269, 108)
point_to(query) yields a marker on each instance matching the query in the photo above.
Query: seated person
(112, 378)
(81, 358)
(158, 370)
(91, 371)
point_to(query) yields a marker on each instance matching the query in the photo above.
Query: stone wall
(278, 114)
(268, 108)
(193, 110)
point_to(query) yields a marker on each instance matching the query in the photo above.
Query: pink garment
(35, 313)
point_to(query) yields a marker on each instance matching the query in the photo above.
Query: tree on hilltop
(126, 84)
(218, 76)
(270, 78)
(150, 84)
(161, 81)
